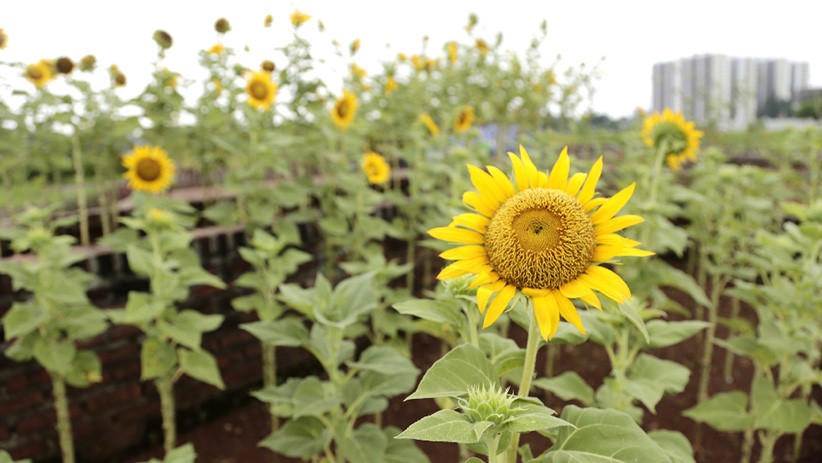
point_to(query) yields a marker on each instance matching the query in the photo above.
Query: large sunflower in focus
(670, 131)
(148, 169)
(545, 235)
(345, 108)
(260, 89)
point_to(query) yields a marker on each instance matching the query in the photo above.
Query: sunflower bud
(268, 20)
(157, 218)
(460, 286)
(222, 26)
(87, 63)
(37, 238)
(163, 39)
(64, 65)
(268, 66)
(489, 403)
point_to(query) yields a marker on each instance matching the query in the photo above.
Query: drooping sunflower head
(357, 72)
(64, 65)
(669, 131)
(482, 46)
(429, 123)
(39, 73)
(261, 90)
(148, 168)
(222, 26)
(376, 169)
(354, 47)
(542, 234)
(464, 119)
(298, 18)
(345, 108)
(163, 39)
(87, 63)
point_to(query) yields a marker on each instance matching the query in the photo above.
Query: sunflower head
(39, 73)
(390, 85)
(354, 47)
(261, 90)
(345, 108)
(670, 132)
(452, 52)
(148, 168)
(375, 168)
(268, 20)
(222, 26)
(117, 76)
(464, 119)
(298, 18)
(87, 63)
(482, 46)
(64, 65)
(357, 71)
(4, 39)
(429, 124)
(217, 49)
(163, 39)
(542, 234)
(268, 66)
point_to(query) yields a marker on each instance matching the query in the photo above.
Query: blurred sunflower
(268, 20)
(216, 49)
(452, 52)
(357, 71)
(670, 132)
(298, 18)
(39, 73)
(544, 235)
(261, 90)
(390, 85)
(464, 119)
(4, 39)
(482, 46)
(345, 108)
(429, 123)
(148, 169)
(375, 168)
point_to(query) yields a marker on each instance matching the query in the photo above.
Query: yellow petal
(617, 224)
(531, 171)
(547, 319)
(592, 299)
(613, 205)
(499, 304)
(542, 180)
(483, 278)
(568, 311)
(575, 183)
(486, 185)
(464, 252)
(558, 179)
(607, 282)
(457, 235)
(605, 253)
(590, 185)
(592, 203)
(473, 221)
(503, 182)
(611, 239)
(519, 172)
(626, 251)
(473, 199)
(484, 293)
(452, 271)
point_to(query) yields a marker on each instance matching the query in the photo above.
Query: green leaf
(85, 370)
(384, 360)
(664, 334)
(196, 275)
(182, 454)
(312, 397)
(533, 417)
(366, 444)
(749, 346)
(772, 412)
(601, 436)
(288, 331)
(187, 327)
(200, 365)
(442, 426)
(651, 377)
(402, 451)
(450, 376)
(726, 411)
(674, 444)
(299, 438)
(23, 318)
(157, 359)
(505, 354)
(568, 386)
(6, 458)
(55, 355)
(433, 310)
(140, 308)
(140, 261)
(632, 312)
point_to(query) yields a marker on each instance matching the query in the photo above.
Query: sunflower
(148, 169)
(4, 39)
(542, 234)
(39, 73)
(429, 123)
(345, 108)
(268, 20)
(217, 49)
(260, 89)
(482, 46)
(464, 119)
(375, 168)
(357, 71)
(452, 52)
(670, 131)
(390, 85)
(298, 18)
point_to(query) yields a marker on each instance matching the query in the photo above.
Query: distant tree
(810, 109)
(775, 107)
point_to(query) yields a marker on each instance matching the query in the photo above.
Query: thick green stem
(768, 442)
(708, 347)
(79, 180)
(727, 370)
(531, 347)
(551, 359)
(63, 419)
(270, 375)
(165, 387)
(493, 449)
(747, 446)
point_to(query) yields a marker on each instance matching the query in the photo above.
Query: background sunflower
(148, 169)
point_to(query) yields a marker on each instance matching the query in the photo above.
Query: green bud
(488, 404)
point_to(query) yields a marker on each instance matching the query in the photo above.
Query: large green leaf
(157, 359)
(450, 376)
(443, 426)
(201, 365)
(533, 416)
(299, 438)
(674, 444)
(775, 413)
(433, 310)
(366, 444)
(568, 386)
(726, 411)
(650, 378)
(55, 355)
(400, 450)
(605, 436)
(313, 397)
(288, 331)
(664, 333)
(23, 318)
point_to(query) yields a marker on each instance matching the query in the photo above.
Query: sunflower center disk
(259, 90)
(148, 169)
(540, 238)
(342, 109)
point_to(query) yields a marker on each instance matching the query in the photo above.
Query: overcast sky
(630, 35)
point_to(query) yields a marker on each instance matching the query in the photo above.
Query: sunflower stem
(79, 180)
(531, 348)
(727, 371)
(61, 404)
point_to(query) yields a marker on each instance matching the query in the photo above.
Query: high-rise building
(728, 92)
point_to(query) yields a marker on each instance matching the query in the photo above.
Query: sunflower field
(434, 261)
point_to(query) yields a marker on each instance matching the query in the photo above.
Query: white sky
(631, 34)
